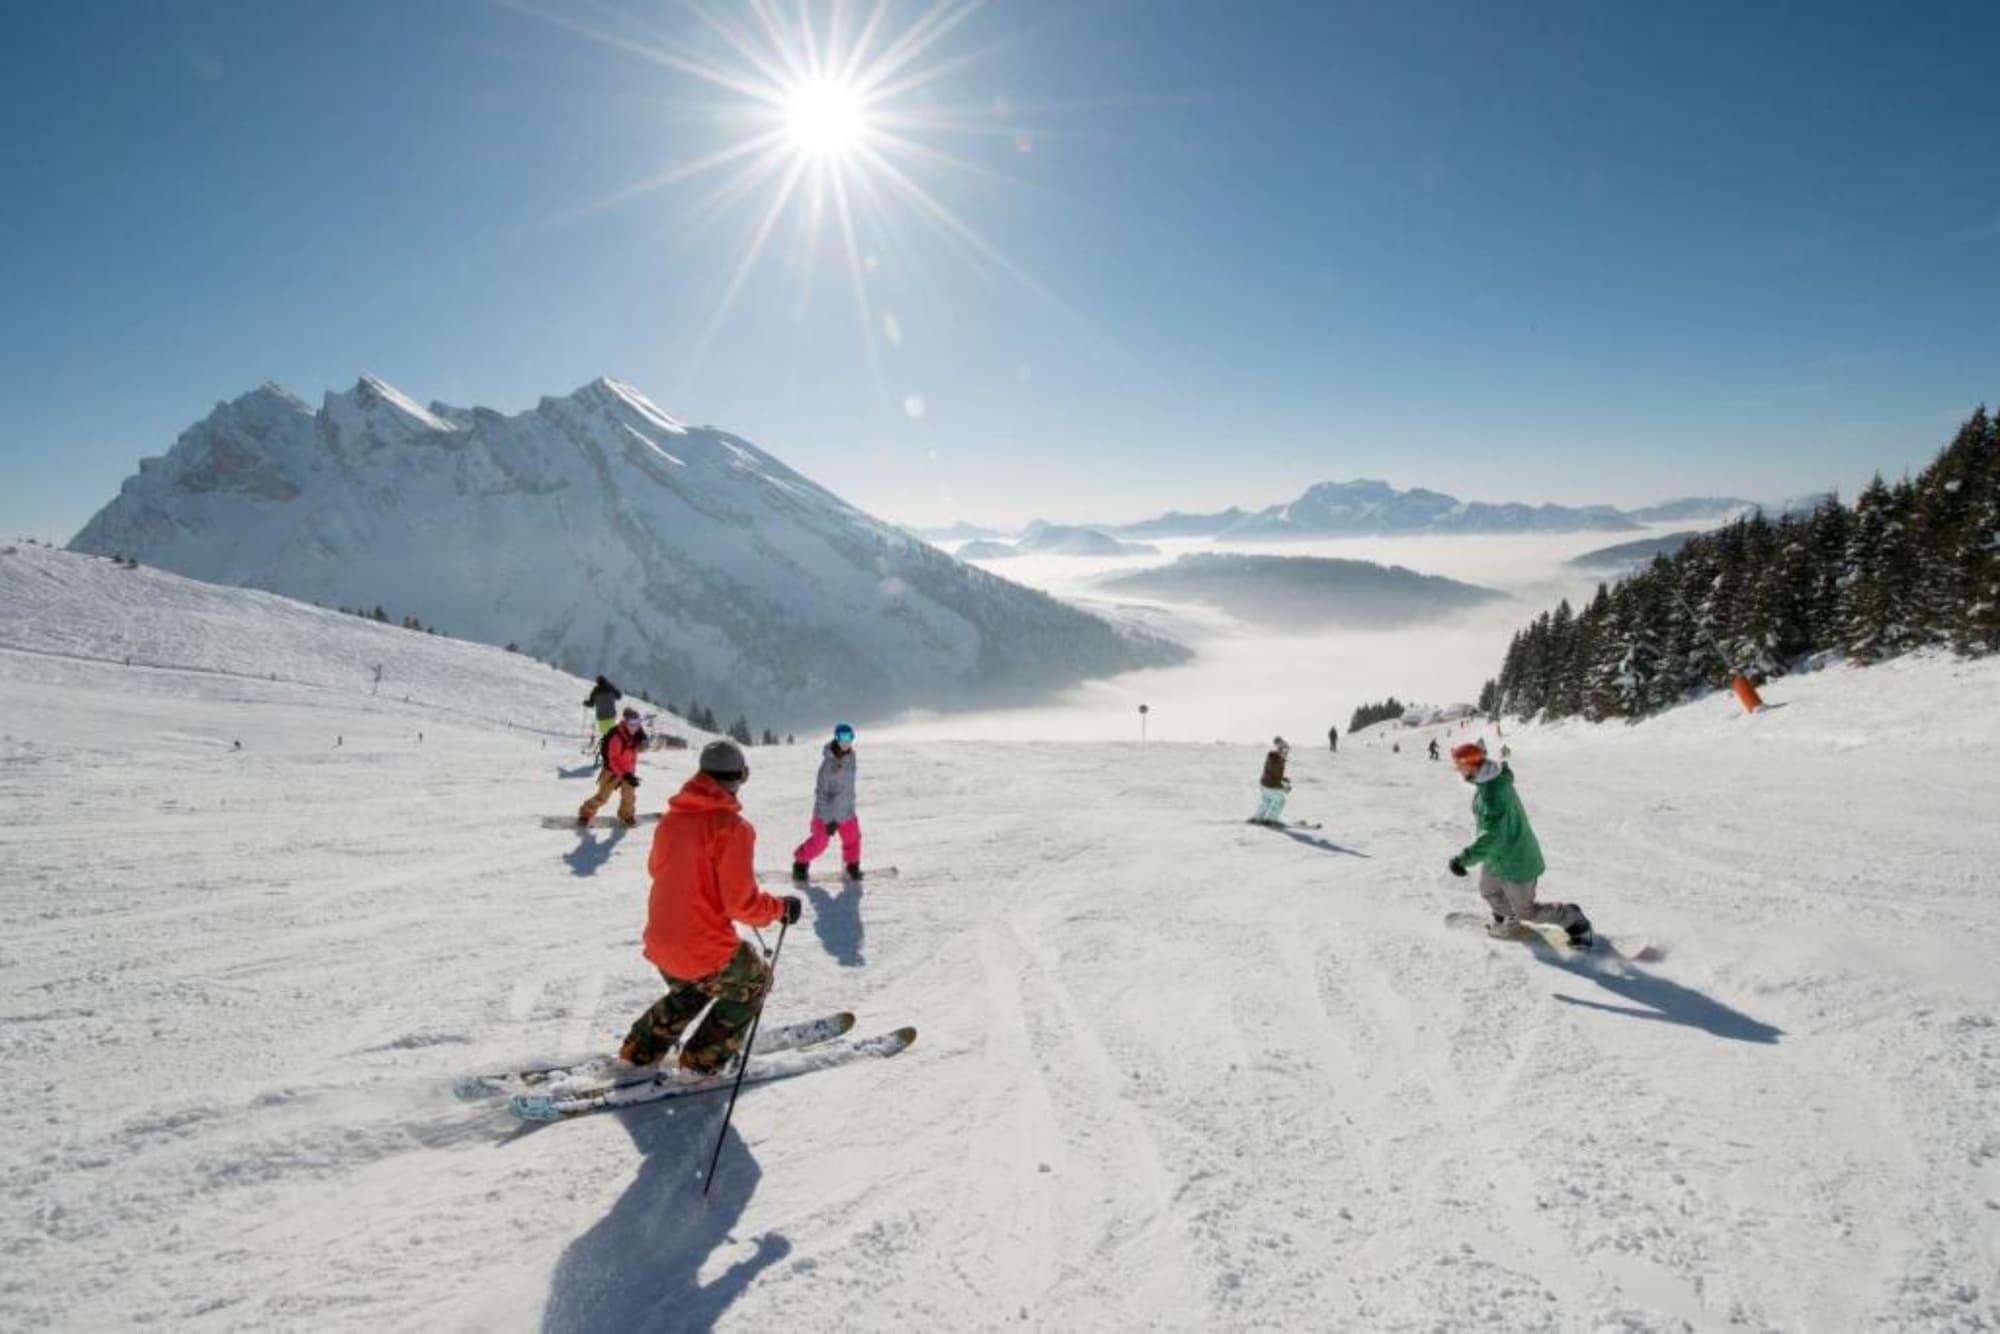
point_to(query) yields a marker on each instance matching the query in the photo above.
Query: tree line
(1907, 566)
(1366, 714)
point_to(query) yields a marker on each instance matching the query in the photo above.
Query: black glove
(1457, 868)
(632, 781)
(833, 828)
(793, 907)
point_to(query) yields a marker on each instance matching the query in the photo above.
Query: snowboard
(1531, 933)
(772, 875)
(609, 1072)
(563, 1104)
(601, 822)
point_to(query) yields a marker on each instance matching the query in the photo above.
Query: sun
(825, 118)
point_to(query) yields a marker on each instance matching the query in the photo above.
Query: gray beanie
(723, 760)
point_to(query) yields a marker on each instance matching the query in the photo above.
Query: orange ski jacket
(703, 881)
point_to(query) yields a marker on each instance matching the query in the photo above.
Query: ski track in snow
(1173, 1072)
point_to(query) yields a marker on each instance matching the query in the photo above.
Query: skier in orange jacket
(703, 884)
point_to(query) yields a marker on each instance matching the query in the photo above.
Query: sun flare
(825, 118)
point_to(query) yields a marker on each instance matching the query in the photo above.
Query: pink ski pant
(816, 841)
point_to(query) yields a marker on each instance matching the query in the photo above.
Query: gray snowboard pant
(1516, 900)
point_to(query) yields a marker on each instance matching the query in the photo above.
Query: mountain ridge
(598, 531)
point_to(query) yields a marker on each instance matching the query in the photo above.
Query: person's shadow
(590, 852)
(581, 771)
(1323, 844)
(837, 922)
(639, 1267)
(1665, 1001)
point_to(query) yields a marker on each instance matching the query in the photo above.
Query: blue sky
(1555, 251)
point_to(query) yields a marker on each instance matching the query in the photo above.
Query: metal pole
(743, 1065)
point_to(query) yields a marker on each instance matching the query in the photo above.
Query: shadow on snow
(1323, 844)
(581, 771)
(1665, 1001)
(640, 1266)
(591, 852)
(837, 923)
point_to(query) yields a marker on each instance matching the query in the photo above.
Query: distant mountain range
(598, 533)
(1365, 508)
(1296, 592)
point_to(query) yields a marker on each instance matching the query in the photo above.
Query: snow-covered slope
(598, 532)
(1173, 1072)
(67, 606)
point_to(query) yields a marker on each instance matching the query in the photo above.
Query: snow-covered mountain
(1365, 508)
(1041, 538)
(598, 532)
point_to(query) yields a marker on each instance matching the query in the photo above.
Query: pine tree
(739, 731)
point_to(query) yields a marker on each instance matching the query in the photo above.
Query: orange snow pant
(628, 799)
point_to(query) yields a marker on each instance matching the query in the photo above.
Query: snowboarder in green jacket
(1506, 853)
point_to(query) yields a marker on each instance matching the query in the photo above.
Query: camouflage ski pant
(607, 783)
(737, 988)
(1515, 900)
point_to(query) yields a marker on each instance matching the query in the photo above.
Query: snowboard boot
(1581, 937)
(854, 870)
(1503, 928)
(799, 873)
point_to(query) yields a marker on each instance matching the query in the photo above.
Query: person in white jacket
(833, 808)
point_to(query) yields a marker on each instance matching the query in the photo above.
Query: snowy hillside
(73, 607)
(1174, 1072)
(598, 532)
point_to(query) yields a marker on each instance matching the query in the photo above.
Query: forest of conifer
(1910, 565)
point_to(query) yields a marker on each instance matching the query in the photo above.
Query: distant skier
(833, 808)
(618, 756)
(603, 700)
(1434, 747)
(1273, 785)
(1509, 859)
(1333, 739)
(703, 883)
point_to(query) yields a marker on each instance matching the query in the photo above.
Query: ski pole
(743, 1065)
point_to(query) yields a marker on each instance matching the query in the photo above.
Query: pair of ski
(1287, 824)
(605, 1083)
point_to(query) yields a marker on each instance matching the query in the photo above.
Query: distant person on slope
(1509, 859)
(1333, 739)
(1273, 785)
(618, 753)
(603, 700)
(833, 808)
(1434, 747)
(703, 884)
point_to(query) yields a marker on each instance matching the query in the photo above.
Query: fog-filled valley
(1248, 680)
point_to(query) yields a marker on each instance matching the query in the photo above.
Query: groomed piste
(1175, 1072)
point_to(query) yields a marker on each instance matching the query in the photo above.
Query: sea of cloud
(1247, 684)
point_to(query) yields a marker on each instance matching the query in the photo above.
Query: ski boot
(799, 873)
(854, 870)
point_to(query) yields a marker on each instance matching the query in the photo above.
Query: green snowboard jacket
(1505, 844)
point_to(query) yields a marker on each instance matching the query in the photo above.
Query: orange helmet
(1470, 755)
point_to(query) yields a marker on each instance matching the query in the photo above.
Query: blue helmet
(843, 732)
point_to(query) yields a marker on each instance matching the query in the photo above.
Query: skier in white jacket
(833, 808)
